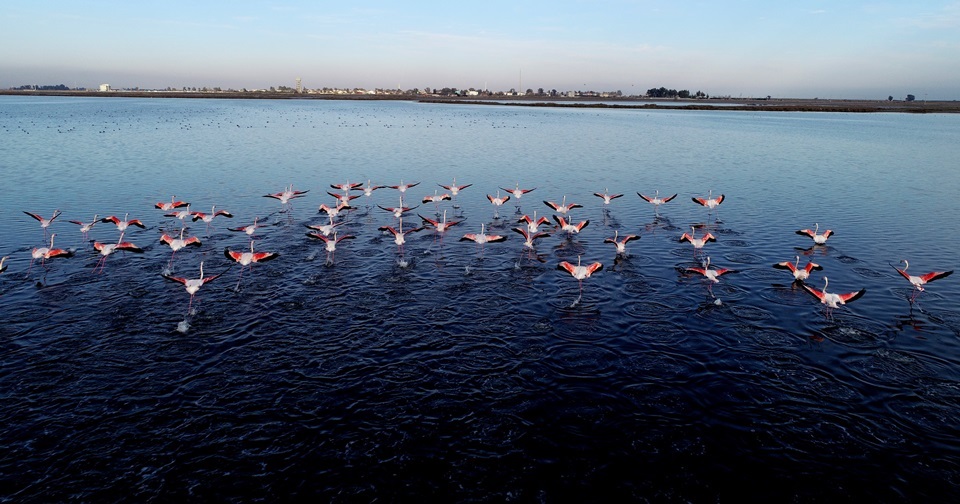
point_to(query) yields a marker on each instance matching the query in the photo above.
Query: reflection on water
(446, 367)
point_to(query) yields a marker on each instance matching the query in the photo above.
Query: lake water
(471, 373)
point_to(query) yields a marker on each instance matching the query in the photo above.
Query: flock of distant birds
(530, 231)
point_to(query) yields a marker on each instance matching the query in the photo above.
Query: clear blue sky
(805, 49)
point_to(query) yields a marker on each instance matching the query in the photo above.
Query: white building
(104, 87)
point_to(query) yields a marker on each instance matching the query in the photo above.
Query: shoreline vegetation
(729, 104)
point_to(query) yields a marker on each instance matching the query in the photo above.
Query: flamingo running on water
(607, 198)
(818, 238)
(172, 205)
(106, 249)
(481, 238)
(529, 238)
(580, 272)
(710, 202)
(403, 187)
(656, 200)
(497, 202)
(250, 230)
(179, 243)
(122, 225)
(621, 243)
(335, 210)
(454, 188)
(711, 274)
(44, 253)
(436, 198)
(208, 217)
(325, 229)
(247, 259)
(534, 223)
(833, 300)
(562, 207)
(287, 194)
(85, 227)
(369, 188)
(330, 243)
(44, 223)
(799, 274)
(918, 281)
(192, 285)
(697, 243)
(344, 198)
(180, 214)
(569, 227)
(399, 235)
(400, 210)
(440, 225)
(348, 186)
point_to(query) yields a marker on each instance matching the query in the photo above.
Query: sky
(785, 49)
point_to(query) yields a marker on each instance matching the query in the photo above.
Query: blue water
(468, 373)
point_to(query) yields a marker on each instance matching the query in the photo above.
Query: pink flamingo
(122, 225)
(580, 272)
(287, 194)
(833, 300)
(247, 259)
(656, 200)
(44, 223)
(106, 249)
(331, 243)
(799, 274)
(172, 205)
(607, 198)
(497, 201)
(918, 281)
(533, 224)
(562, 207)
(818, 238)
(179, 243)
(44, 253)
(569, 227)
(249, 230)
(697, 243)
(621, 243)
(85, 227)
(192, 285)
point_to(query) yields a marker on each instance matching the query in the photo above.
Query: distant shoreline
(732, 104)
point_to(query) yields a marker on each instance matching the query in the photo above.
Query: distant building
(104, 88)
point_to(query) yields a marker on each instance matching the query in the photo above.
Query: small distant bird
(656, 200)
(122, 225)
(44, 223)
(106, 249)
(533, 223)
(44, 253)
(85, 227)
(711, 274)
(562, 207)
(621, 243)
(918, 281)
(607, 198)
(172, 205)
(833, 300)
(799, 274)
(709, 202)
(818, 238)
(192, 284)
(568, 226)
(697, 243)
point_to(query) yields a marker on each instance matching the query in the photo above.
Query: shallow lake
(465, 371)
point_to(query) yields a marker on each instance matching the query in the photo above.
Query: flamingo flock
(531, 228)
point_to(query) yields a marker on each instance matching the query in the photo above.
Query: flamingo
(172, 205)
(399, 236)
(331, 243)
(287, 194)
(918, 281)
(656, 200)
(563, 207)
(325, 229)
(44, 253)
(348, 186)
(180, 214)
(192, 284)
(400, 210)
(711, 274)
(517, 192)
(249, 230)
(122, 225)
(580, 272)
(369, 188)
(436, 198)
(529, 238)
(208, 218)
(482, 238)
(344, 198)
(621, 243)
(246, 259)
(106, 249)
(818, 238)
(441, 225)
(85, 227)
(44, 223)
(569, 226)
(799, 274)
(533, 224)
(403, 187)
(697, 243)
(710, 202)
(179, 243)
(498, 202)
(454, 188)
(335, 210)
(607, 198)
(833, 300)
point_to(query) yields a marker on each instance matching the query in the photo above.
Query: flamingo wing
(264, 256)
(700, 201)
(806, 232)
(318, 236)
(787, 265)
(935, 275)
(648, 199)
(175, 279)
(852, 296)
(594, 268)
(817, 293)
(129, 247)
(232, 255)
(720, 199)
(566, 266)
(668, 199)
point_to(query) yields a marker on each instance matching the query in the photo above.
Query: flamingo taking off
(44, 253)
(818, 238)
(106, 249)
(330, 243)
(799, 274)
(580, 272)
(208, 217)
(436, 198)
(697, 243)
(656, 200)
(344, 198)
(529, 238)
(569, 227)
(497, 202)
(325, 229)
(85, 227)
(534, 223)
(441, 225)
(249, 230)
(369, 188)
(348, 186)
(918, 281)
(454, 188)
(122, 225)
(44, 223)
(482, 238)
(173, 204)
(399, 235)
(833, 300)
(287, 194)
(607, 198)
(333, 211)
(179, 243)
(403, 187)
(621, 243)
(180, 214)
(710, 202)
(398, 211)
(192, 285)
(711, 274)
(562, 207)
(246, 259)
